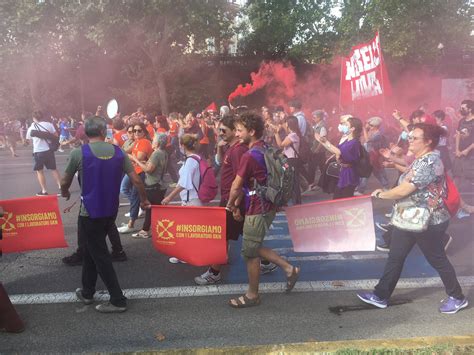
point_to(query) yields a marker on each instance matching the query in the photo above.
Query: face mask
(404, 135)
(343, 129)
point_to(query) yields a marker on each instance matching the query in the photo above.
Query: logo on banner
(7, 223)
(356, 217)
(164, 233)
(12, 226)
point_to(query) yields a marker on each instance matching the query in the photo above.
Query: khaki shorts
(254, 233)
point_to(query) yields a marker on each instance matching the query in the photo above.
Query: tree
(410, 30)
(159, 37)
(301, 30)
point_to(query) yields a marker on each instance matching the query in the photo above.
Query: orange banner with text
(31, 223)
(196, 235)
(334, 226)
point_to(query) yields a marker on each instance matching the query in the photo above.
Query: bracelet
(377, 195)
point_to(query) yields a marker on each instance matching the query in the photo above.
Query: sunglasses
(137, 130)
(130, 132)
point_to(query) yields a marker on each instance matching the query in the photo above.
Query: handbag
(333, 167)
(408, 217)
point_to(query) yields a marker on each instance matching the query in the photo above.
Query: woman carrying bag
(291, 148)
(155, 186)
(347, 154)
(420, 217)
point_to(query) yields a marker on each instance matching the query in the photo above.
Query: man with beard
(229, 153)
(259, 212)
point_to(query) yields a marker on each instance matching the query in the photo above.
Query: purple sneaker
(452, 305)
(371, 298)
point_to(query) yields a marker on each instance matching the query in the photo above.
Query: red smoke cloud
(278, 77)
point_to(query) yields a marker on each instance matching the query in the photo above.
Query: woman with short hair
(421, 189)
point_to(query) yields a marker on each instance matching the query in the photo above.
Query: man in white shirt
(295, 110)
(43, 156)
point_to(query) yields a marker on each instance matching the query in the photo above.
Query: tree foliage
(410, 30)
(301, 30)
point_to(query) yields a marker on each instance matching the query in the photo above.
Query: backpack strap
(198, 161)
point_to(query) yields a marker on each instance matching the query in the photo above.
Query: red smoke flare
(281, 75)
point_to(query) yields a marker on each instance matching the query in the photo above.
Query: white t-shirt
(40, 145)
(288, 150)
(189, 177)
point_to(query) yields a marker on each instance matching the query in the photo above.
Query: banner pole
(340, 87)
(382, 67)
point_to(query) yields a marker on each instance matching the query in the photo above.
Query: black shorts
(233, 228)
(44, 159)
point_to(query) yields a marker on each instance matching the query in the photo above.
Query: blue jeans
(431, 245)
(126, 186)
(135, 200)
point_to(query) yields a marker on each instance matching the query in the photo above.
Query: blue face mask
(343, 129)
(404, 135)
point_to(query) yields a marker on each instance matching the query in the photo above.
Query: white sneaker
(141, 234)
(126, 229)
(141, 213)
(174, 260)
(208, 278)
(388, 215)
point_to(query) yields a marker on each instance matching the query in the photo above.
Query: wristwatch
(377, 195)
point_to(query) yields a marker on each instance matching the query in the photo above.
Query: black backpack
(51, 139)
(363, 167)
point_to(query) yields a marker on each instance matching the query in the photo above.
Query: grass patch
(442, 349)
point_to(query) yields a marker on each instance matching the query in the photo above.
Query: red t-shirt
(250, 170)
(142, 145)
(230, 166)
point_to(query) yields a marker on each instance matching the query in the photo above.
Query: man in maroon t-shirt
(229, 153)
(259, 213)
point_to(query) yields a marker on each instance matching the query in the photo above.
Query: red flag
(212, 107)
(31, 223)
(196, 235)
(363, 73)
(332, 226)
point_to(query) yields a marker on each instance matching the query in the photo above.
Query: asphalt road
(206, 321)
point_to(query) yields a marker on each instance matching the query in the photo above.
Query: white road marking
(329, 257)
(231, 289)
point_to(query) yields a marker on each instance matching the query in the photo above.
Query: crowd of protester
(324, 149)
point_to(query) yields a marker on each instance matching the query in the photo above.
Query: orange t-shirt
(205, 131)
(174, 129)
(151, 131)
(142, 145)
(121, 137)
